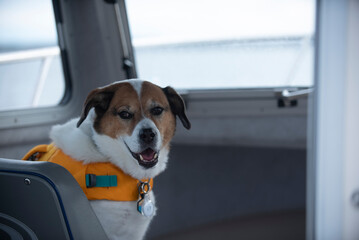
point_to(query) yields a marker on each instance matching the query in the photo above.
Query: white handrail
(29, 54)
(45, 67)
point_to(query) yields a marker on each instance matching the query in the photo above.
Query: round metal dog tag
(146, 207)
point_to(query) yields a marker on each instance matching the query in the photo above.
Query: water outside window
(206, 44)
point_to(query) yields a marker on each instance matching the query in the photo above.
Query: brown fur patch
(153, 96)
(124, 98)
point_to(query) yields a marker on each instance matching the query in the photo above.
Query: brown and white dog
(130, 124)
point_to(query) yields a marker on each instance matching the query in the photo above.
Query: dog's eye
(125, 115)
(156, 111)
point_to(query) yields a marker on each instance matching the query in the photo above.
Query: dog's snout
(147, 135)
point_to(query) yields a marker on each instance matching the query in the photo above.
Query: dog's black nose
(147, 135)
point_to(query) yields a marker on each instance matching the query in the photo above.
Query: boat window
(31, 73)
(204, 44)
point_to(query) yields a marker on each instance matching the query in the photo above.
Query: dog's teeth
(155, 156)
(141, 157)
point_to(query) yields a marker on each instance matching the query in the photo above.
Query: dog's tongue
(148, 154)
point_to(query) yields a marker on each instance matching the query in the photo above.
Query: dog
(127, 125)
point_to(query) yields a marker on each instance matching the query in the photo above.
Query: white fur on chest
(121, 220)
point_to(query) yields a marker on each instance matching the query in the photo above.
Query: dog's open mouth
(147, 158)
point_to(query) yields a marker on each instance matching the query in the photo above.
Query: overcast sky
(171, 20)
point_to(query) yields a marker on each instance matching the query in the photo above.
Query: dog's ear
(99, 99)
(177, 105)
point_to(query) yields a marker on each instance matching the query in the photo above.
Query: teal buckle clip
(92, 180)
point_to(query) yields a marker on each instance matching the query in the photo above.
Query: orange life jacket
(114, 184)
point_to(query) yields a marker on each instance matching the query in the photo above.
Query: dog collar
(99, 181)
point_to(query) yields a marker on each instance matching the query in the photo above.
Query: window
(201, 44)
(31, 73)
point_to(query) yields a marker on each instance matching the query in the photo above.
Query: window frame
(79, 62)
(247, 103)
(42, 115)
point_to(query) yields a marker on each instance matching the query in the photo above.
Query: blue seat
(41, 200)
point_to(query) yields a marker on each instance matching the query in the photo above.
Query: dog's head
(133, 124)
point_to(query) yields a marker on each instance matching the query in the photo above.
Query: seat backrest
(41, 200)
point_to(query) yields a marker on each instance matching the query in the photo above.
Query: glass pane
(223, 44)
(31, 73)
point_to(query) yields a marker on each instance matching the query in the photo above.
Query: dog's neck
(77, 142)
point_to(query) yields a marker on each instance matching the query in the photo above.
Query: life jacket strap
(93, 180)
